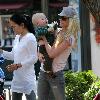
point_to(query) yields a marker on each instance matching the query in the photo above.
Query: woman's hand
(41, 57)
(13, 67)
(44, 38)
(41, 42)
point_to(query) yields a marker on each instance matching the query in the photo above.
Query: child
(40, 23)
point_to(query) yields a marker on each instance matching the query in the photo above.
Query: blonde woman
(60, 52)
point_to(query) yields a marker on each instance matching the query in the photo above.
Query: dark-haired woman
(24, 55)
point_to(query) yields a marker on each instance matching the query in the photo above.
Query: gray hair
(36, 16)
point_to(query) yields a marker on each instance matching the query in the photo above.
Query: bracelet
(17, 66)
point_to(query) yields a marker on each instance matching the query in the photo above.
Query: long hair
(72, 29)
(23, 18)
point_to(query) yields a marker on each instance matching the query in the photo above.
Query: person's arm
(41, 57)
(7, 55)
(56, 50)
(32, 51)
(13, 67)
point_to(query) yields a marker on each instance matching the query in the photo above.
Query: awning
(14, 1)
(14, 6)
(56, 5)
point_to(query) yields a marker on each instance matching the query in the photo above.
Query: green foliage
(95, 88)
(78, 83)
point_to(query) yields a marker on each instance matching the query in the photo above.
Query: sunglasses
(63, 18)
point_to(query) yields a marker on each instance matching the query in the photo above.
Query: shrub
(77, 84)
(95, 88)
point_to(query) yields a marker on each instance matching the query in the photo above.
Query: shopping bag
(97, 97)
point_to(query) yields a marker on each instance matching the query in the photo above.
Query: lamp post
(85, 36)
(44, 6)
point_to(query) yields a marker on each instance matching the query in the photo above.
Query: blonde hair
(72, 29)
(37, 16)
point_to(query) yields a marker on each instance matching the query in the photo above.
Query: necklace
(20, 38)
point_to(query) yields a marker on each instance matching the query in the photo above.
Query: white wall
(95, 52)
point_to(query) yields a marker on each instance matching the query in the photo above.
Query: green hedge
(81, 85)
(95, 88)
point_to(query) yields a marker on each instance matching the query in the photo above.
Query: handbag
(97, 97)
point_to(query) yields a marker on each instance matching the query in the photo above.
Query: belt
(50, 74)
(48, 71)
